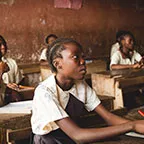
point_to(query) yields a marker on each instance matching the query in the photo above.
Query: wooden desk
(45, 71)
(17, 126)
(115, 83)
(29, 68)
(122, 140)
(96, 66)
(14, 127)
(26, 92)
(31, 71)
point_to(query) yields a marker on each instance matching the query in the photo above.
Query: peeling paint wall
(25, 24)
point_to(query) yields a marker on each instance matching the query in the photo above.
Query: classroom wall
(24, 24)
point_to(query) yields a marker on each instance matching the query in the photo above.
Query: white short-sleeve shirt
(50, 101)
(117, 58)
(13, 75)
(43, 54)
(115, 47)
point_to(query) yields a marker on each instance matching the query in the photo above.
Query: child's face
(51, 40)
(72, 62)
(3, 49)
(128, 42)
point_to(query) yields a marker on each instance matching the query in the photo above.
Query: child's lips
(83, 70)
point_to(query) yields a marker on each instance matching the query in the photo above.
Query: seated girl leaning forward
(64, 95)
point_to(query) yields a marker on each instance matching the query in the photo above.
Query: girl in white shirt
(62, 97)
(126, 56)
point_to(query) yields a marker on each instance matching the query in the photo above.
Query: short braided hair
(55, 49)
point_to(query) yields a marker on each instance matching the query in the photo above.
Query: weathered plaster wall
(24, 24)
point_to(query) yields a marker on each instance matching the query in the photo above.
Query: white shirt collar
(50, 83)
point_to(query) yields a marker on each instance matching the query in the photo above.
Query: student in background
(115, 47)
(6, 94)
(3, 68)
(65, 95)
(126, 56)
(49, 39)
(13, 75)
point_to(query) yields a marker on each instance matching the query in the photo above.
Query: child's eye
(75, 57)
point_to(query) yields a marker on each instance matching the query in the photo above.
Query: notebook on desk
(134, 134)
(17, 107)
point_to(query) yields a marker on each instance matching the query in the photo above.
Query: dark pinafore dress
(74, 109)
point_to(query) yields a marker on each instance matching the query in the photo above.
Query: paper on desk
(17, 107)
(133, 134)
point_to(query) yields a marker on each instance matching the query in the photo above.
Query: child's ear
(123, 41)
(57, 64)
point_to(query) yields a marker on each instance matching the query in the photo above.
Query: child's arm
(125, 66)
(109, 117)
(84, 135)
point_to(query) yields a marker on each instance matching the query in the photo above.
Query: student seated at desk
(126, 56)
(4, 99)
(49, 39)
(3, 68)
(12, 78)
(13, 75)
(65, 95)
(115, 47)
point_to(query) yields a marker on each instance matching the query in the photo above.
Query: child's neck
(64, 84)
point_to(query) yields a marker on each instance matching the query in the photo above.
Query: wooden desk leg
(9, 142)
(19, 134)
(118, 101)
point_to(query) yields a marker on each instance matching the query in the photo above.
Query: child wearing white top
(65, 95)
(49, 39)
(13, 75)
(126, 56)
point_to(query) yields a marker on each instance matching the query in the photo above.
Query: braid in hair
(54, 50)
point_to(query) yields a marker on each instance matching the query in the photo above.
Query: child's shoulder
(47, 83)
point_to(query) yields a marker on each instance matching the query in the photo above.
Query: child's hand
(13, 86)
(136, 66)
(138, 126)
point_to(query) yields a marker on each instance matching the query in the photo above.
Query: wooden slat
(12, 122)
(96, 66)
(103, 84)
(133, 81)
(45, 72)
(29, 68)
(94, 120)
(13, 135)
(107, 102)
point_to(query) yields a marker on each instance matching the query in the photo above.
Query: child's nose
(82, 61)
